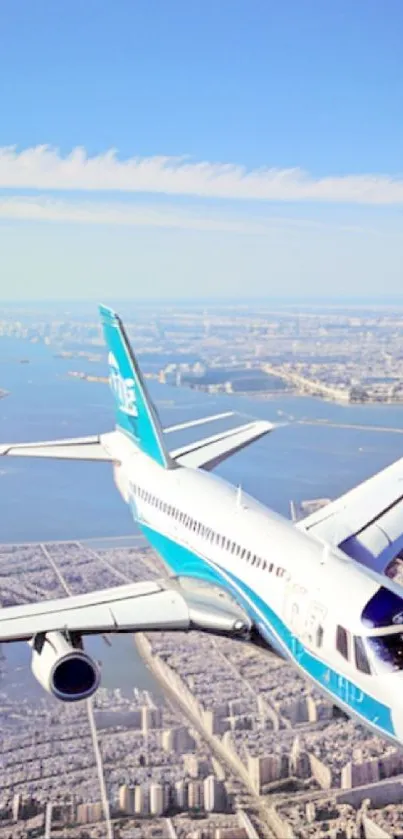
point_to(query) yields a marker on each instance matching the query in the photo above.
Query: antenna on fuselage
(239, 496)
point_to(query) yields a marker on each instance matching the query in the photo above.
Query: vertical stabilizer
(135, 413)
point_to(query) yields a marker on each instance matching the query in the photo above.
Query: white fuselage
(300, 593)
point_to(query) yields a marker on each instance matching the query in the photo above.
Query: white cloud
(44, 168)
(45, 209)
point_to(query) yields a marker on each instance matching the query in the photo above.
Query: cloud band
(44, 168)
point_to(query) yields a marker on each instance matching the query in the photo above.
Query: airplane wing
(204, 453)
(366, 522)
(145, 606)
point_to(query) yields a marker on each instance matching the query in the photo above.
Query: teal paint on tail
(135, 413)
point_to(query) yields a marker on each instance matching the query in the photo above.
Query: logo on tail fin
(124, 389)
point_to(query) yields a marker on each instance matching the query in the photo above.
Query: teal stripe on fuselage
(186, 562)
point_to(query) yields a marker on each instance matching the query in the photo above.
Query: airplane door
(314, 625)
(295, 608)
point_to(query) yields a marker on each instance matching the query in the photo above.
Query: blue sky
(225, 148)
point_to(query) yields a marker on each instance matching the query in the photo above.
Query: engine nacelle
(62, 669)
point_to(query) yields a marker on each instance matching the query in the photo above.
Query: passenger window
(361, 658)
(342, 642)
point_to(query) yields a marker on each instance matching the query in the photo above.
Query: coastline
(339, 398)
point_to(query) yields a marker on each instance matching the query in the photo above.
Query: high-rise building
(360, 773)
(168, 797)
(181, 795)
(183, 741)
(156, 799)
(195, 795)
(126, 799)
(191, 765)
(214, 794)
(196, 767)
(141, 801)
(151, 717)
(264, 770)
(83, 813)
(95, 812)
(167, 740)
(16, 806)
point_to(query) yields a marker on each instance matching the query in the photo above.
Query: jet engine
(63, 668)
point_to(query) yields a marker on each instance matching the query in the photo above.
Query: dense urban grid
(239, 731)
(344, 354)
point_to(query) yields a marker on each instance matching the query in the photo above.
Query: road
(90, 714)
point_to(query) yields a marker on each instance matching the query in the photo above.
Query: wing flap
(212, 450)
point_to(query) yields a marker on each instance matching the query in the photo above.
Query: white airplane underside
(319, 592)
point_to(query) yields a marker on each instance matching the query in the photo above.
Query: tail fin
(135, 414)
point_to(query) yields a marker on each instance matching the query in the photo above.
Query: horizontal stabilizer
(209, 452)
(201, 421)
(75, 448)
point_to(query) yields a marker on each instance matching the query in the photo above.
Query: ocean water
(45, 500)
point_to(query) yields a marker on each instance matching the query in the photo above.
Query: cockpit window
(384, 609)
(388, 650)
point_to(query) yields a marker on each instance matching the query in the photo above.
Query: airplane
(318, 592)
